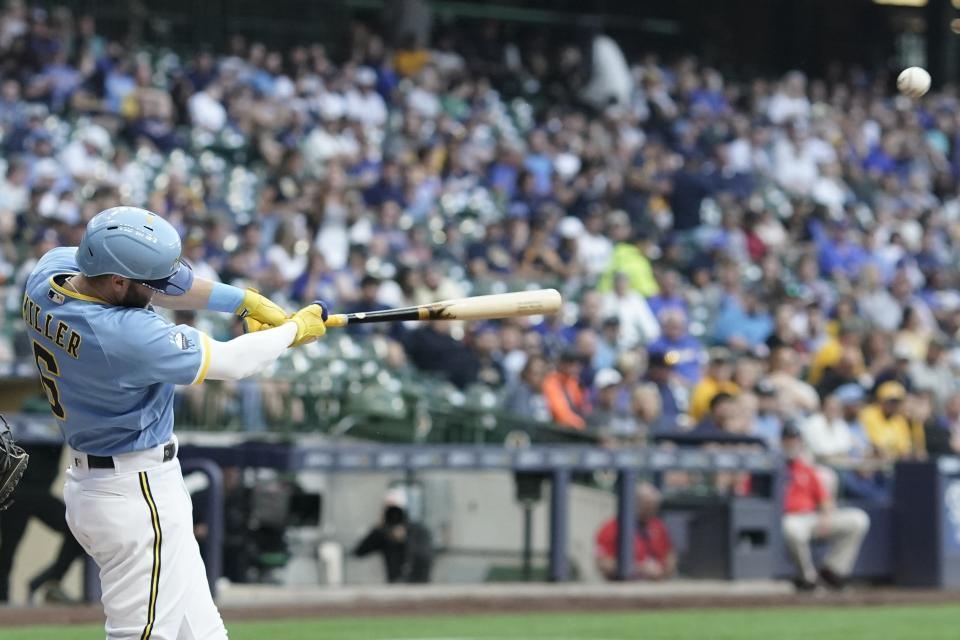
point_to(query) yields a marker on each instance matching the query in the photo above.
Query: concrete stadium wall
(37, 550)
(473, 514)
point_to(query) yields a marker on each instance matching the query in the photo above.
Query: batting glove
(310, 323)
(259, 312)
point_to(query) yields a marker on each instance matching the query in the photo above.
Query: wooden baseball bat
(492, 307)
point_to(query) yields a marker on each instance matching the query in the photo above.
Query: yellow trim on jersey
(205, 364)
(74, 294)
(155, 573)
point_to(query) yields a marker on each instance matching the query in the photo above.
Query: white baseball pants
(136, 521)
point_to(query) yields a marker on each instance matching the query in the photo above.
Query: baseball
(913, 82)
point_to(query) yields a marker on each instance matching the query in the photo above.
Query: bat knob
(325, 308)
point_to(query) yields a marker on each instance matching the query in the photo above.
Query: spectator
(810, 514)
(841, 255)
(369, 300)
(670, 294)
(849, 369)
(887, 426)
(305, 175)
(433, 348)
(637, 323)
(874, 300)
(594, 247)
(364, 104)
(566, 397)
(206, 109)
(485, 344)
(933, 373)
(647, 406)
(525, 398)
(660, 375)
(607, 349)
(585, 345)
(605, 419)
(743, 324)
(411, 56)
(834, 435)
(435, 286)
(847, 340)
(898, 371)
(630, 260)
(653, 555)
(718, 379)
(722, 418)
(768, 422)
(790, 101)
(942, 435)
(687, 354)
(797, 398)
(285, 256)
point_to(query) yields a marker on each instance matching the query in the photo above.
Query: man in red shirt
(653, 554)
(810, 513)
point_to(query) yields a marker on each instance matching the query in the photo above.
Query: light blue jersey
(108, 371)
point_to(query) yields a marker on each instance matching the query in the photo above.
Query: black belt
(106, 462)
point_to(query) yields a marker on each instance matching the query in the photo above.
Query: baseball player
(108, 364)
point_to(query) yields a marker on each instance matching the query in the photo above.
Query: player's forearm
(198, 297)
(250, 353)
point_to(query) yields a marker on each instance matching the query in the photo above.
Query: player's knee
(859, 521)
(793, 531)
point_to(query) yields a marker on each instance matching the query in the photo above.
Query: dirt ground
(493, 604)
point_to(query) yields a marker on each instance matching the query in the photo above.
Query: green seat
(374, 412)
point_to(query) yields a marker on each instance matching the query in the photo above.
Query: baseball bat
(492, 307)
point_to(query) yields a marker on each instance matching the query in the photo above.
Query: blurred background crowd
(735, 254)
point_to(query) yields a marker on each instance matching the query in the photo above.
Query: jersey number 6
(47, 363)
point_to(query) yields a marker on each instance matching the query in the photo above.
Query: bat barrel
(497, 306)
(490, 307)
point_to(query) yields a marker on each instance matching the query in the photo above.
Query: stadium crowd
(737, 254)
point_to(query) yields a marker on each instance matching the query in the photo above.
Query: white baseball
(913, 82)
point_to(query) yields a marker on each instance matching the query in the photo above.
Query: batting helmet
(136, 244)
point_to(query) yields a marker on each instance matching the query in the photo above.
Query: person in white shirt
(827, 435)
(796, 159)
(790, 101)
(749, 151)
(84, 157)
(638, 325)
(797, 397)
(285, 255)
(364, 104)
(594, 248)
(422, 96)
(206, 110)
(836, 437)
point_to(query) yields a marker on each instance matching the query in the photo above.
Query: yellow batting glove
(310, 323)
(261, 310)
(250, 325)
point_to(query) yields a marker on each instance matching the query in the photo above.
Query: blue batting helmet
(136, 244)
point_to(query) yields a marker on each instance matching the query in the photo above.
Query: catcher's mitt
(13, 462)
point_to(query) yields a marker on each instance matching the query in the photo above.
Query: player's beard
(135, 298)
